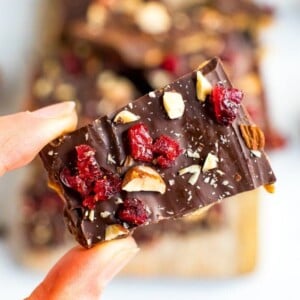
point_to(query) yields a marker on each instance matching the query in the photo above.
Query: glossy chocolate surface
(238, 169)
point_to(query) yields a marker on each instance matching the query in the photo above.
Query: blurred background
(103, 54)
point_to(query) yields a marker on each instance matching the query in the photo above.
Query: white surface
(278, 273)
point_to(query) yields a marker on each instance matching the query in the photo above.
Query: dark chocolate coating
(196, 130)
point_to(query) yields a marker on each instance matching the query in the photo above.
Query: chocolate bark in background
(180, 38)
(77, 73)
(231, 158)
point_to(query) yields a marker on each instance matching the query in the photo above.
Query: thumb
(24, 134)
(82, 274)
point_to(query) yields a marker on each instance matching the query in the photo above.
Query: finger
(24, 134)
(82, 274)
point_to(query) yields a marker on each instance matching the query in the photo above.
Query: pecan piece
(253, 136)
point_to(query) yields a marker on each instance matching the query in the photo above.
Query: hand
(81, 273)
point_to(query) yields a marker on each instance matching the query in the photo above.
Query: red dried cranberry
(106, 187)
(170, 64)
(167, 150)
(133, 212)
(92, 183)
(140, 142)
(87, 165)
(226, 103)
(89, 202)
(74, 182)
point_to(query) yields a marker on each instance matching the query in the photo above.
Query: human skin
(80, 273)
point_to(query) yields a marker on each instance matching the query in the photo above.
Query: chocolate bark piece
(228, 166)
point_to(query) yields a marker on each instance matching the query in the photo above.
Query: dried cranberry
(89, 202)
(133, 211)
(226, 103)
(140, 142)
(74, 182)
(166, 151)
(106, 187)
(92, 183)
(87, 165)
(170, 64)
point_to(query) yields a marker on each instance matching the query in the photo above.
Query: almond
(211, 162)
(125, 117)
(173, 104)
(256, 153)
(194, 170)
(203, 87)
(113, 231)
(253, 136)
(143, 178)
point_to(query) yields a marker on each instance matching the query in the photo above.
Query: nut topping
(203, 87)
(143, 178)
(128, 162)
(211, 162)
(270, 188)
(253, 136)
(113, 231)
(173, 104)
(125, 116)
(194, 170)
(256, 153)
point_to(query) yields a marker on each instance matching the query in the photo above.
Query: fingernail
(55, 110)
(116, 264)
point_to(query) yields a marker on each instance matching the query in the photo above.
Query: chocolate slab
(238, 169)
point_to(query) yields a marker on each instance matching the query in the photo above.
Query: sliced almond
(173, 104)
(125, 117)
(113, 231)
(194, 170)
(92, 215)
(211, 162)
(256, 153)
(203, 87)
(143, 178)
(192, 154)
